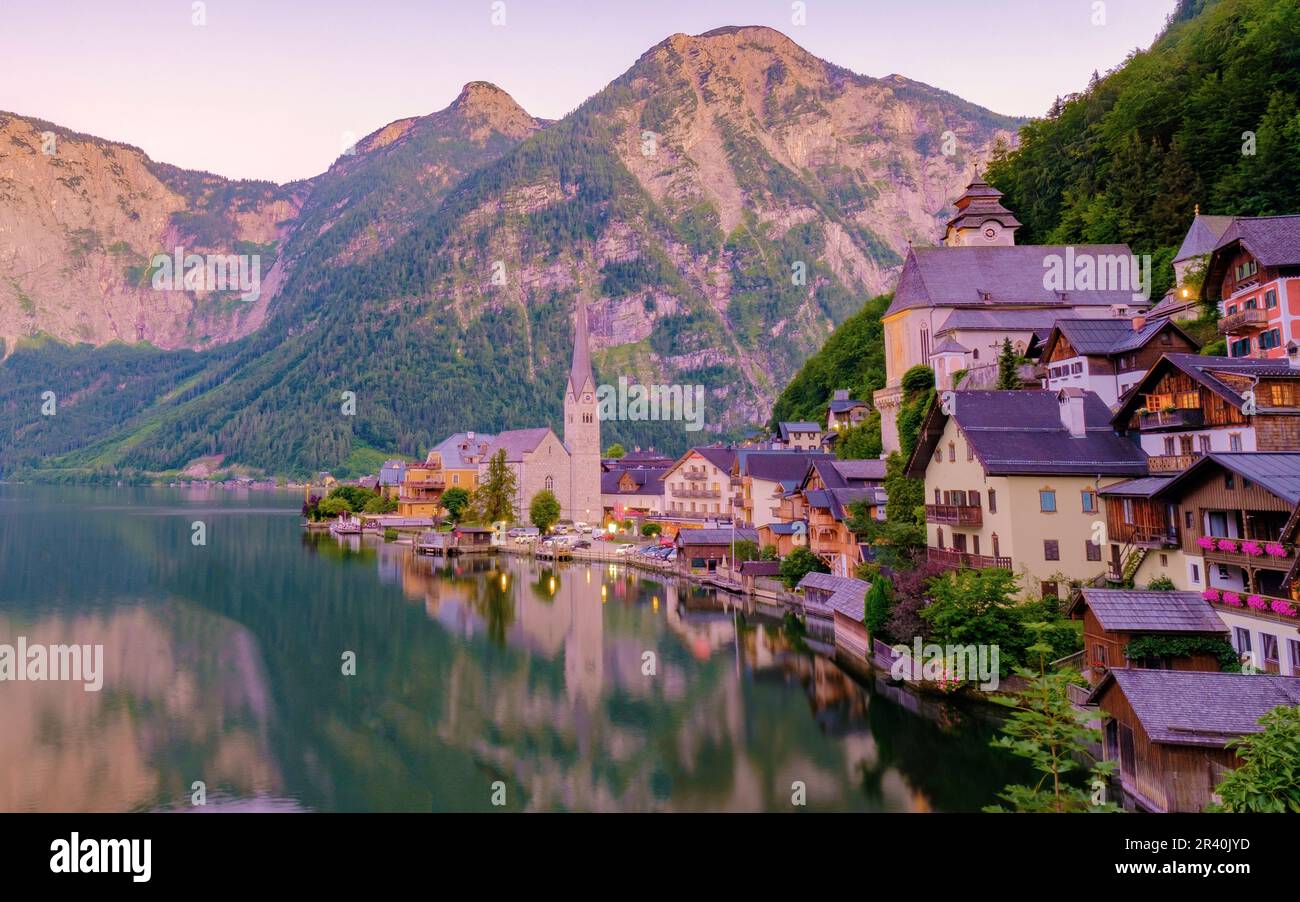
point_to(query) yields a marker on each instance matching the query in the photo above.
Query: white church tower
(582, 428)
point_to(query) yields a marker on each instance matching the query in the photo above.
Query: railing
(698, 493)
(433, 483)
(1242, 558)
(1243, 606)
(1234, 321)
(956, 514)
(1171, 463)
(1188, 417)
(1152, 536)
(961, 559)
(695, 473)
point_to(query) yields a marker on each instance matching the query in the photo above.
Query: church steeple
(580, 373)
(582, 425)
(981, 219)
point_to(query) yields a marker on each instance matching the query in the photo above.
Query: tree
(650, 530)
(615, 451)
(861, 442)
(911, 593)
(455, 501)
(877, 610)
(798, 564)
(1054, 735)
(1008, 367)
(380, 505)
(1268, 779)
(544, 511)
(333, 506)
(746, 551)
(494, 500)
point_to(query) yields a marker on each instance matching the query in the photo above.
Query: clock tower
(582, 428)
(981, 220)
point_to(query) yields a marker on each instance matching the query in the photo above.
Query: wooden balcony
(954, 514)
(956, 560)
(698, 493)
(1171, 463)
(1172, 418)
(694, 474)
(1243, 319)
(1241, 558)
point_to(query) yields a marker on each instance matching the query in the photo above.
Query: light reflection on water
(223, 664)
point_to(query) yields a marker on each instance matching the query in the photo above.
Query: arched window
(550, 483)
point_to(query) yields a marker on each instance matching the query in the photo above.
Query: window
(1293, 649)
(1076, 369)
(1128, 511)
(970, 452)
(995, 545)
(1196, 574)
(1268, 645)
(1270, 299)
(550, 483)
(1234, 442)
(952, 452)
(1092, 550)
(1229, 480)
(936, 497)
(975, 541)
(1166, 338)
(1047, 501)
(1089, 498)
(1270, 339)
(1051, 550)
(1251, 304)
(1241, 640)
(938, 455)
(1049, 589)
(1164, 560)
(1169, 445)
(938, 536)
(974, 499)
(1187, 519)
(1099, 654)
(1232, 308)
(993, 502)
(1203, 442)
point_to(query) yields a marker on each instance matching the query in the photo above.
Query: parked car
(582, 543)
(582, 526)
(598, 533)
(625, 548)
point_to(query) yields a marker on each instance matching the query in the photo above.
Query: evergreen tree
(494, 500)
(1008, 367)
(544, 511)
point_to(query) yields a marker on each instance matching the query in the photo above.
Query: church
(569, 468)
(955, 304)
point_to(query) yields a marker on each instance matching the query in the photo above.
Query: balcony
(1153, 537)
(698, 493)
(1172, 418)
(1240, 603)
(1248, 553)
(1171, 463)
(694, 474)
(436, 482)
(1243, 319)
(955, 560)
(954, 514)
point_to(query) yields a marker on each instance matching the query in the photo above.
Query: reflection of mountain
(460, 680)
(180, 685)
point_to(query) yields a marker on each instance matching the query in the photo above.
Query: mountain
(720, 206)
(80, 219)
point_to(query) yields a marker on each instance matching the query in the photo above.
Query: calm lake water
(223, 663)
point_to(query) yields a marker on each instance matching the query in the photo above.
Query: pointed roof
(1202, 236)
(981, 202)
(580, 373)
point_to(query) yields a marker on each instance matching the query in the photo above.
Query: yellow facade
(1014, 521)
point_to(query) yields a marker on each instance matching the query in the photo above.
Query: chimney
(1138, 322)
(1070, 401)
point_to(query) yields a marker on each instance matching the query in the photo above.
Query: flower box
(1232, 598)
(1212, 595)
(1285, 608)
(1257, 603)
(1252, 548)
(1226, 545)
(1205, 542)
(1275, 549)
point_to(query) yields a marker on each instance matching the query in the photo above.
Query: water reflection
(223, 664)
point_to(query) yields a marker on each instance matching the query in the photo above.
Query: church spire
(580, 373)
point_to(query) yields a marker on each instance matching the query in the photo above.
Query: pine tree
(1008, 368)
(494, 500)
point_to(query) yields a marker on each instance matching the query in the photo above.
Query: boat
(346, 525)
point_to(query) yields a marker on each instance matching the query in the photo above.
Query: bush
(390, 535)
(650, 530)
(798, 564)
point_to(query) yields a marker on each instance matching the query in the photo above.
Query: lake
(577, 687)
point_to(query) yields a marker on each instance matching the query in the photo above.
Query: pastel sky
(267, 88)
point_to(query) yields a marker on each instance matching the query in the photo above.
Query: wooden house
(703, 550)
(1113, 618)
(834, 606)
(1167, 730)
(1108, 356)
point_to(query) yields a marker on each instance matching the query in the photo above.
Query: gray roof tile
(1149, 611)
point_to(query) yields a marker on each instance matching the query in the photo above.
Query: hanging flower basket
(1212, 595)
(1275, 549)
(1285, 608)
(1226, 545)
(1205, 542)
(1232, 598)
(1257, 603)
(1252, 548)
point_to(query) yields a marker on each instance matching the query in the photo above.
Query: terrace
(954, 514)
(957, 560)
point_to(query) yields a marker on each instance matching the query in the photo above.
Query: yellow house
(1012, 480)
(452, 464)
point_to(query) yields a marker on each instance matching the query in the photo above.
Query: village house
(1188, 405)
(1253, 274)
(704, 550)
(391, 476)
(697, 487)
(955, 305)
(829, 491)
(763, 477)
(834, 606)
(1012, 481)
(1143, 537)
(1183, 300)
(783, 536)
(1167, 730)
(453, 463)
(636, 492)
(1113, 618)
(1108, 356)
(844, 412)
(800, 436)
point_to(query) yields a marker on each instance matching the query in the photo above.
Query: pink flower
(1232, 598)
(1212, 595)
(1285, 608)
(1257, 603)
(1276, 549)
(1252, 548)
(1227, 545)
(1205, 542)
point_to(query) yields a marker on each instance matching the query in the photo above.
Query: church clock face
(990, 232)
